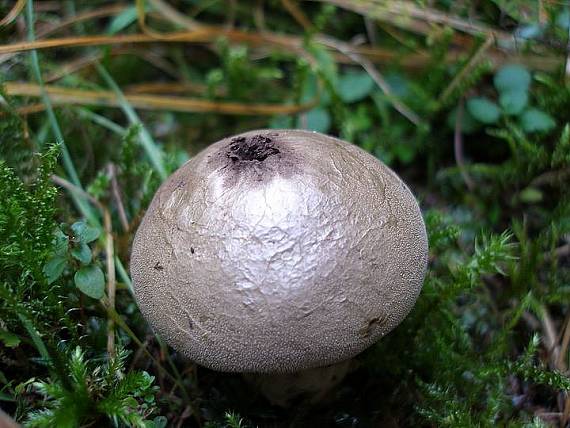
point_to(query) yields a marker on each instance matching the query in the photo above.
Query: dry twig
(458, 147)
(13, 13)
(60, 95)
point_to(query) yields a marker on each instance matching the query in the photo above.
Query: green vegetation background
(468, 101)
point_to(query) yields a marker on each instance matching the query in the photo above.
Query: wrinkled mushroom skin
(278, 251)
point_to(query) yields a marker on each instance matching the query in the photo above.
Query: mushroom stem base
(312, 385)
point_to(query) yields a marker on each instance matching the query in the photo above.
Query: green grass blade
(123, 274)
(70, 170)
(148, 143)
(34, 335)
(101, 121)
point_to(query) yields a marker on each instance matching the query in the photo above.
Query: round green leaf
(483, 110)
(83, 232)
(513, 102)
(534, 120)
(123, 20)
(54, 268)
(60, 243)
(91, 281)
(160, 422)
(531, 31)
(318, 120)
(354, 86)
(82, 252)
(512, 77)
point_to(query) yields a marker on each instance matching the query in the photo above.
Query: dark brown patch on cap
(255, 157)
(253, 149)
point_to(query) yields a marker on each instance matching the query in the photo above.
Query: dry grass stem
(60, 95)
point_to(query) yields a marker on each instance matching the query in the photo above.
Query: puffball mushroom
(277, 251)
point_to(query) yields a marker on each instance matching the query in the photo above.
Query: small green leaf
(317, 119)
(91, 281)
(513, 102)
(534, 120)
(54, 268)
(160, 422)
(483, 110)
(9, 339)
(60, 242)
(531, 31)
(83, 232)
(530, 195)
(82, 252)
(355, 86)
(123, 20)
(512, 77)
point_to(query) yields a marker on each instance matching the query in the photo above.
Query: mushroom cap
(278, 251)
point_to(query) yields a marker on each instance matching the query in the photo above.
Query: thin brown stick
(565, 418)
(458, 147)
(231, 9)
(259, 16)
(141, 19)
(73, 66)
(101, 12)
(90, 59)
(409, 16)
(116, 191)
(13, 13)
(111, 281)
(262, 40)
(293, 8)
(60, 181)
(197, 36)
(174, 16)
(561, 362)
(61, 95)
(551, 341)
(169, 88)
(550, 177)
(551, 337)
(371, 31)
(29, 109)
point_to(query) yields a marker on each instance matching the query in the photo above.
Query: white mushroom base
(282, 389)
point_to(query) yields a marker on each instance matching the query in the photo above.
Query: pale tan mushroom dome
(277, 251)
